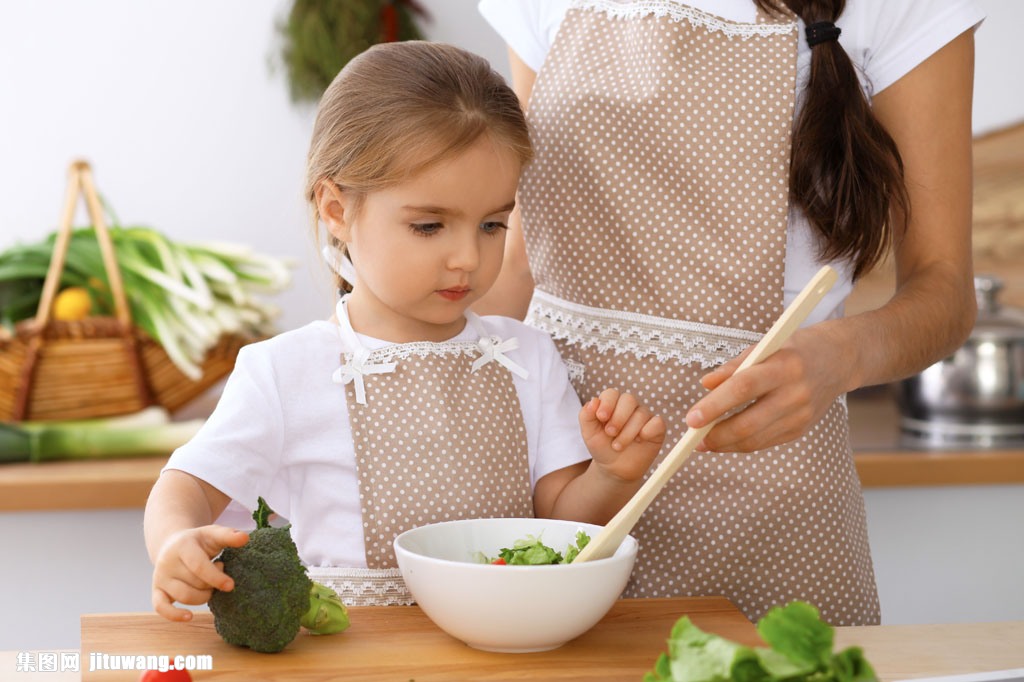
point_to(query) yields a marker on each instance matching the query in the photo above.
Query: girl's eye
(493, 227)
(426, 229)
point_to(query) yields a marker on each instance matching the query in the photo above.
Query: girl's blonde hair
(399, 108)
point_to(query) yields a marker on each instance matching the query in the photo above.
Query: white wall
(190, 132)
(187, 126)
(999, 67)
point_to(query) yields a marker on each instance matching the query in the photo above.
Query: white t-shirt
(884, 38)
(281, 431)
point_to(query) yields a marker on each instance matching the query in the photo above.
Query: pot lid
(994, 319)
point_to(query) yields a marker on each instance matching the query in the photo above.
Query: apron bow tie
(357, 368)
(493, 349)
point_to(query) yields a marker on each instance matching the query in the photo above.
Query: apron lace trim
(488, 348)
(420, 349)
(364, 586)
(361, 362)
(641, 335)
(618, 9)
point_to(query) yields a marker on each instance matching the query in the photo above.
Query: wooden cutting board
(399, 643)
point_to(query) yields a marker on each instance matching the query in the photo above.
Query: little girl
(405, 408)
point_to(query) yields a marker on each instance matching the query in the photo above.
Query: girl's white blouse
(281, 431)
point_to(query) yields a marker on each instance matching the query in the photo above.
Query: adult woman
(680, 193)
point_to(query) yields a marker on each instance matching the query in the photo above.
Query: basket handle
(80, 181)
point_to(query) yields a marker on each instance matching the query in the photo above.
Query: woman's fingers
(776, 402)
(737, 390)
(762, 424)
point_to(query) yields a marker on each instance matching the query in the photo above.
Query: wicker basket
(99, 366)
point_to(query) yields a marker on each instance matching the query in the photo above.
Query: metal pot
(976, 396)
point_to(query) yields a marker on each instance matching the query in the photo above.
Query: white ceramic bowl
(509, 608)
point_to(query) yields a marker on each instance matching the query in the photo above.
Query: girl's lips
(453, 294)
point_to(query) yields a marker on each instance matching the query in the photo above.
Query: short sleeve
(904, 34)
(238, 449)
(528, 27)
(561, 441)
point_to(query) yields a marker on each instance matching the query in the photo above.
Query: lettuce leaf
(530, 551)
(796, 631)
(800, 650)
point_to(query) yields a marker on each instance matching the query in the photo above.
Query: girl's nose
(465, 253)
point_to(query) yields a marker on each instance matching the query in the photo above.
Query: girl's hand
(183, 570)
(622, 436)
(788, 393)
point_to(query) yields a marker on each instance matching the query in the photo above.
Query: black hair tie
(821, 32)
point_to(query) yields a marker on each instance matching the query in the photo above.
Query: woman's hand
(184, 571)
(622, 436)
(784, 395)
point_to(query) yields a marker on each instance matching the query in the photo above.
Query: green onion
(185, 296)
(147, 432)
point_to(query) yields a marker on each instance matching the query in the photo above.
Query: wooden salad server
(611, 536)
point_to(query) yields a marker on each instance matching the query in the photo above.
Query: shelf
(881, 463)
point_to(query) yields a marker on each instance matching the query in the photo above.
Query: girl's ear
(335, 209)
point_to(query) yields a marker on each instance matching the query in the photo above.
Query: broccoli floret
(327, 613)
(272, 591)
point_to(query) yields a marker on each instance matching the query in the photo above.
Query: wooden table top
(401, 643)
(903, 652)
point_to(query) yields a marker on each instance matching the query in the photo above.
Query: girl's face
(425, 250)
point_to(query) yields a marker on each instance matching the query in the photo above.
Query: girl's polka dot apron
(439, 436)
(655, 219)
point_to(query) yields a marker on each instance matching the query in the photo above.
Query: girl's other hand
(784, 395)
(622, 436)
(184, 571)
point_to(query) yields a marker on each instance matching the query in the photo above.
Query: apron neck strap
(348, 335)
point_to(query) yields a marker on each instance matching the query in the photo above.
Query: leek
(144, 433)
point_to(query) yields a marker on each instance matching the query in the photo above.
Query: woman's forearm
(933, 309)
(929, 316)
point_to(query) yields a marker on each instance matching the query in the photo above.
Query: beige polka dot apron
(439, 436)
(655, 218)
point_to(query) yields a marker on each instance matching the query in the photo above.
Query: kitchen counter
(884, 459)
(622, 646)
(901, 652)
(874, 431)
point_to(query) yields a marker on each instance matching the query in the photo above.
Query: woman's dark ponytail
(845, 171)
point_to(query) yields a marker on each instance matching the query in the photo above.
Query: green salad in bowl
(530, 551)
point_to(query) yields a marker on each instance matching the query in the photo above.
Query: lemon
(72, 304)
